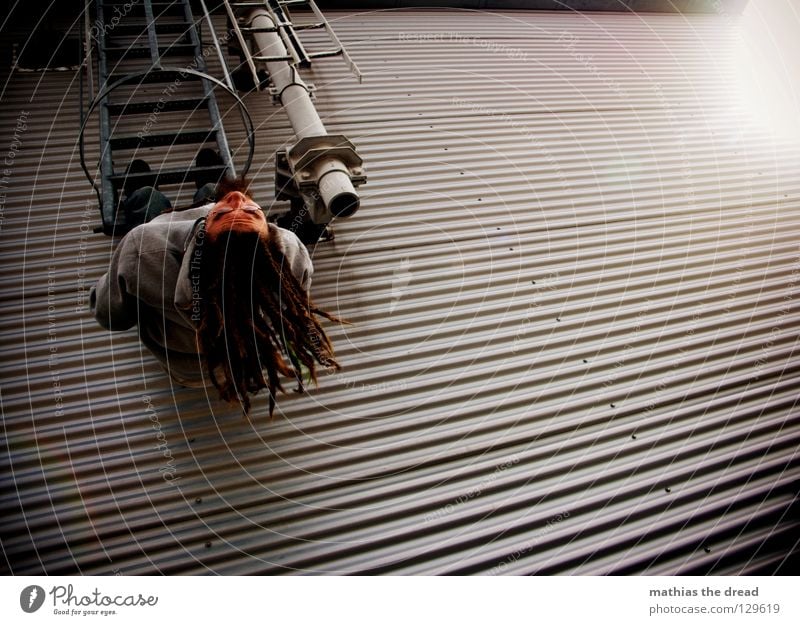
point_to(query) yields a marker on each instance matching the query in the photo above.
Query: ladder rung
(308, 26)
(179, 49)
(146, 107)
(137, 8)
(128, 29)
(130, 142)
(270, 59)
(325, 53)
(247, 29)
(140, 5)
(167, 176)
(154, 77)
(290, 3)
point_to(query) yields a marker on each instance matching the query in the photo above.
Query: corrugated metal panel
(668, 6)
(572, 287)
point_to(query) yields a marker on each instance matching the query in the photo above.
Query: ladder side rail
(351, 64)
(88, 60)
(152, 37)
(223, 63)
(208, 90)
(87, 73)
(290, 39)
(108, 205)
(242, 43)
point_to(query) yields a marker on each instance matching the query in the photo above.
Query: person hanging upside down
(220, 297)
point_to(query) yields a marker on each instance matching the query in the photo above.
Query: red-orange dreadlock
(254, 315)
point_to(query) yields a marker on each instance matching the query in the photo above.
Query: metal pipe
(338, 194)
(312, 164)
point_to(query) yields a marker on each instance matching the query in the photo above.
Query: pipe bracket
(277, 95)
(303, 169)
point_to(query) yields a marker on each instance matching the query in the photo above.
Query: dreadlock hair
(254, 315)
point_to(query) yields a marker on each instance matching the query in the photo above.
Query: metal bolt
(668, 489)
(208, 545)
(199, 500)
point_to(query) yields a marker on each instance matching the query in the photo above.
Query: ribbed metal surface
(573, 292)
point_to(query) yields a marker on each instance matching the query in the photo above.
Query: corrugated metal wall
(573, 291)
(662, 6)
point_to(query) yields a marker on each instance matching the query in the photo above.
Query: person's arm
(110, 300)
(296, 255)
(304, 268)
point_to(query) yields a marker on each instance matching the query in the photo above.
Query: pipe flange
(306, 156)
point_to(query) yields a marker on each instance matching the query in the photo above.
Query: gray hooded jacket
(149, 284)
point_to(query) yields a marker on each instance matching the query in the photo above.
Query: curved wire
(131, 77)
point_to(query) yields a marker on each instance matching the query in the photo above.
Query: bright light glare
(768, 64)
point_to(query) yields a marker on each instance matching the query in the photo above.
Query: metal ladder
(279, 11)
(117, 67)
